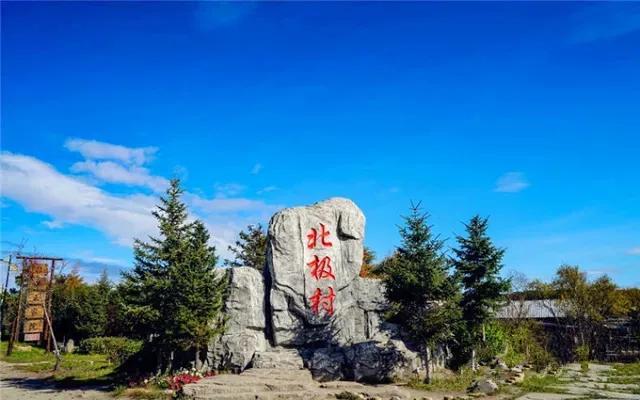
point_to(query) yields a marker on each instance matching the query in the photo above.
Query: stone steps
(279, 358)
(276, 383)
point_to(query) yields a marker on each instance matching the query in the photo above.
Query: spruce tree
(148, 289)
(199, 294)
(477, 263)
(419, 287)
(250, 249)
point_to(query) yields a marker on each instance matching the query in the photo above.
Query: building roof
(530, 309)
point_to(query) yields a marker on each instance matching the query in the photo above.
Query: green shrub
(583, 353)
(495, 341)
(117, 349)
(527, 344)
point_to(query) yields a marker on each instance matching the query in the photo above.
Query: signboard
(35, 297)
(37, 279)
(31, 337)
(33, 325)
(34, 312)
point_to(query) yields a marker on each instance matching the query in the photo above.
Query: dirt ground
(20, 385)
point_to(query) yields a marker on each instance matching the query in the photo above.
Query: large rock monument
(310, 307)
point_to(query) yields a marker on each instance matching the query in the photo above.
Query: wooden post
(56, 351)
(15, 330)
(47, 337)
(3, 305)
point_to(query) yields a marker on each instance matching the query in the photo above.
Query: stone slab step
(265, 396)
(277, 359)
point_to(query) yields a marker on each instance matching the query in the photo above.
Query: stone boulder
(245, 327)
(327, 364)
(383, 362)
(486, 386)
(311, 308)
(314, 257)
(370, 361)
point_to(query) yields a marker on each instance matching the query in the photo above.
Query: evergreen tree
(367, 268)
(152, 298)
(92, 313)
(199, 294)
(419, 288)
(477, 265)
(250, 250)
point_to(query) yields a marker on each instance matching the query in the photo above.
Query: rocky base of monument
(310, 309)
(268, 384)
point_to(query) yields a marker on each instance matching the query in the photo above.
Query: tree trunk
(197, 363)
(170, 363)
(158, 363)
(474, 363)
(427, 365)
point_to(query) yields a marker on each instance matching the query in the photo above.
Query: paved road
(593, 385)
(19, 385)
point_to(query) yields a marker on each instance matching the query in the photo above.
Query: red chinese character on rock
(313, 237)
(321, 268)
(322, 302)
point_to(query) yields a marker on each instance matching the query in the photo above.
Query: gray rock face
(383, 362)
(314, 257)
(327, 364)
(244, 333)
(311, 309)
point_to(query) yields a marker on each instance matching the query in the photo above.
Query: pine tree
(419, 288)
(250, 250)
(148, 289)
(199, 294)
(477, 263)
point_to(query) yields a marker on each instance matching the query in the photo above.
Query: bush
(117, 349)
(527, 344)
(495, 342)
(583, 353)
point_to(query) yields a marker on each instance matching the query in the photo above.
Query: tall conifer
(419, 287)
(172, 288)
(477, 263)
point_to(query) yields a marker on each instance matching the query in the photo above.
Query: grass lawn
(626, 369)
(541, 384)
(458, 382)
(75, 369)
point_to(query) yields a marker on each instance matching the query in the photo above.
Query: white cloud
(597, 272)
(228, 189)
(68, 200)
(41, 188)
(54, 224)
(267, 189)
(226, 205)
(511, 182)
(256, 169)
(117, 164)
(111, 172)
(634, 251)
(94, 150)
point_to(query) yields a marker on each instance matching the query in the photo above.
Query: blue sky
(528, 113)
